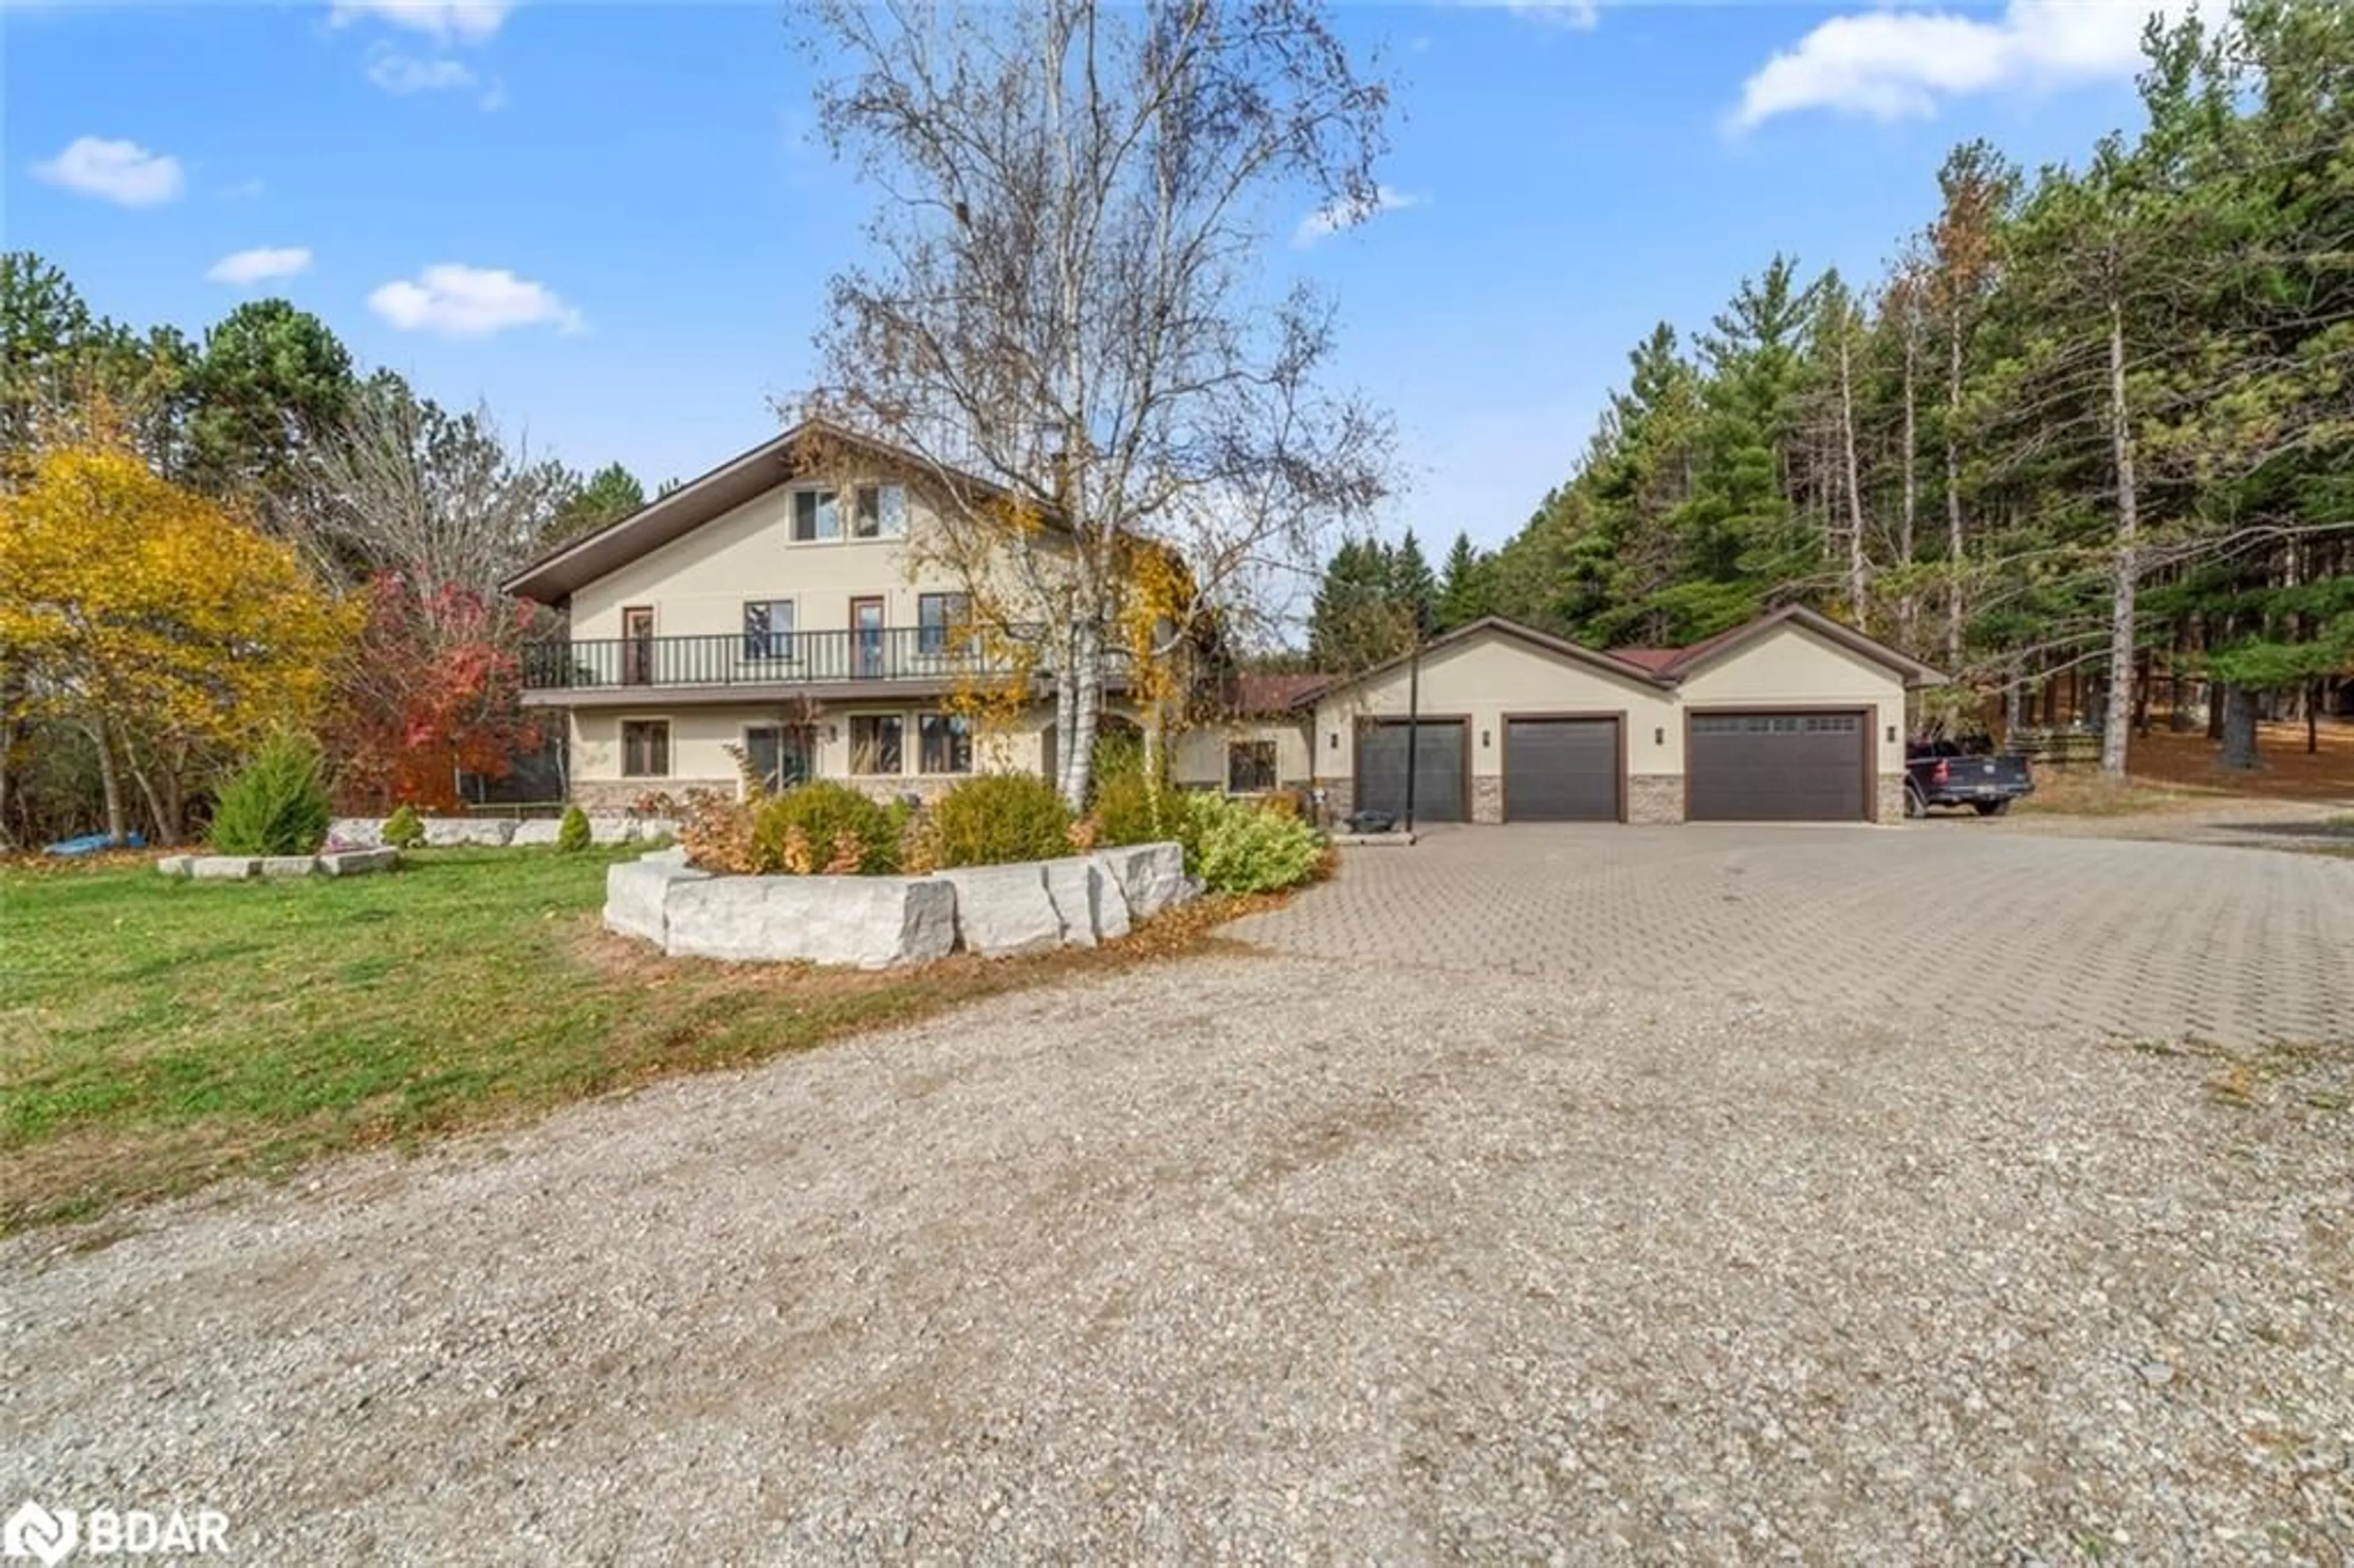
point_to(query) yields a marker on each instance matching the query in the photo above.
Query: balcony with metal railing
(868, 662)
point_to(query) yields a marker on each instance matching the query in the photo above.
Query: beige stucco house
(792, 610)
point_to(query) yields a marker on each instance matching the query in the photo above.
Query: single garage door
(1438, 769)
(1777, 768)
(1561, 769)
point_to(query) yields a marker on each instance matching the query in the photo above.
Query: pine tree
(1466, 590)
(1414, 585)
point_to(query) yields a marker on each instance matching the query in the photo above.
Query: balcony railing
(797, 658)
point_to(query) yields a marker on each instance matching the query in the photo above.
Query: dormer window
(817, 516)
(876, 511)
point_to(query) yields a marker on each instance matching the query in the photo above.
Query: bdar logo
(35, 1531)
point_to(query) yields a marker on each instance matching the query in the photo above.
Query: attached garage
(1564, 769)
(1779, 765)
(1440, 757)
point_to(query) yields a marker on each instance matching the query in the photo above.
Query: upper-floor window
(880, 513)
(876, 511)
(943, 620)
(768, 629)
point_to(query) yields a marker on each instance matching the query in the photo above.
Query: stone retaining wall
(886, 922)
(240, 868)
(497, 833)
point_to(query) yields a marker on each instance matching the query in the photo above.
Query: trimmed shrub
(824, 829)
(402, 830)
(1236, 846)
(997, 819)
(1130, 810)
(572, 832)
(277, 804)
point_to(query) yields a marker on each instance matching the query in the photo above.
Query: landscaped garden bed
(997, 866)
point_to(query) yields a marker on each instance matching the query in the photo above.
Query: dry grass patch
(156, 1035)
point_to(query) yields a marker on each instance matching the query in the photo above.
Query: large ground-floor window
(945, 742)
(779, 755)
(874, 743)
(646, 749)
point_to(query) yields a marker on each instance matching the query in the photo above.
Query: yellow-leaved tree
(169, 630)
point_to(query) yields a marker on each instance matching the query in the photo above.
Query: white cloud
(402, 74)
(458, 301)
(121, 172)
(1581, 14)
(1330, 220)
(1898, 64)
(244, 268)
(244, 190)
(446, 21)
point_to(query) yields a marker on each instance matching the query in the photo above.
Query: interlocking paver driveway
(2159, 941)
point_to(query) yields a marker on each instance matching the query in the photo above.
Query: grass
(157, 1035)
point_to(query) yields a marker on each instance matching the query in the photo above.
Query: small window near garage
(768, 629)
(944, 743)
(874, 743)
(880, 512)
(943, 623)
(817, 516)
(646, 749)
(1250, 767)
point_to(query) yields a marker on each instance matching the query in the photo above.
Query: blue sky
(634, 232)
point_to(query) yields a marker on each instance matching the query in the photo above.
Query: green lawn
(155, 1034)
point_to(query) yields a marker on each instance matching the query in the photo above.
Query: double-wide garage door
(1561, 769)
(1438, 756)
(1792, 767)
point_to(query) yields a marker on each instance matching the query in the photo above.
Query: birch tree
(1063, 301)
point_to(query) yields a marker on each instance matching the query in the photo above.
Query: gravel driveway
(1267, 1256)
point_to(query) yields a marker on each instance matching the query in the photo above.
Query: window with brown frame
(874, 743)
(1250, 767)
(944, 743)
(646, 749)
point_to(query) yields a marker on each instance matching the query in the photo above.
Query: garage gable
(1495, 662)
(1789, 663)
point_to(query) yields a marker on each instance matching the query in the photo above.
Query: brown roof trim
(1577, 653)
(553, 575)
(1915, 673)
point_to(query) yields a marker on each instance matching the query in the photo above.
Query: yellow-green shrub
(996, 819)
(824, 829)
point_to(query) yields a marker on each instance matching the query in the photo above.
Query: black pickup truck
(1948, 773)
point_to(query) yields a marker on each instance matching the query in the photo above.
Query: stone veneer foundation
(1655, 798)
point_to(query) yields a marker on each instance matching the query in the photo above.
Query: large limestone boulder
(360, 832)
(637, 893)
(535, 831)
(612, 830)
(1088, 901)
(222, 867)
(653, 829)
(1004, 910)
(289, 864)
(445, 832)
(174, 864)
(868, 922)
(1152, 876)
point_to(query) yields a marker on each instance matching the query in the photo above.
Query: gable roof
(556, 573)
(1258, 695)
(1684, 660)
(1606, 663)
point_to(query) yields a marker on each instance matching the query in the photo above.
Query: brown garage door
(1792, 767)
(1561, 769)
(1438, 758)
